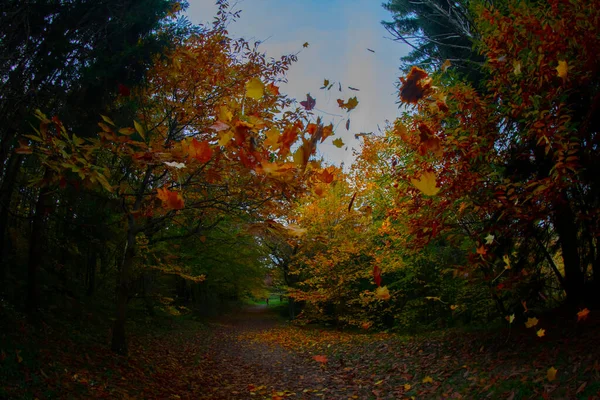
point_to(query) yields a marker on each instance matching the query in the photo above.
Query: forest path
(239, 365)
(253, 354)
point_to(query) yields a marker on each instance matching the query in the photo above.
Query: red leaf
(377, 275)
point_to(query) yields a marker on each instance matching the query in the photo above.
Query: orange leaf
(531, 322)
(169, 199)
(201, 151)
(320, 358)
(583, 314)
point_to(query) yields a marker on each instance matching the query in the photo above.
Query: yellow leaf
(305, 44)
(506, 260)
(426, 184)
(255, 89)
(531, 322)
(453, 307)
(510, 318)
(517, 68)
(562, 69)
(551, 374)
(378, 383)
(225, 138)
(224, 114)
(127, 131)
(338, 143)
(272, 137)
(428, 379)
(107, 120)
(407, 386)
(382, 293)
(541, 332)
(139, 129)
(299, 157)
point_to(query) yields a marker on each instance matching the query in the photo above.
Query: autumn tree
(508, 169)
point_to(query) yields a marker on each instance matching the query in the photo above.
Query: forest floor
(253, 354)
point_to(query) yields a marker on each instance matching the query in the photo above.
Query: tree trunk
(6, 192)
(91, 271)
(36, 245)
(564, 221)
(119, 338)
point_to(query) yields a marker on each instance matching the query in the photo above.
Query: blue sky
(339, 33)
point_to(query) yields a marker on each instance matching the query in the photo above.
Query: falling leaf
(170, 200)
(107, 120)
(426, 183)
(415, 86)
(541, 332)
(372, 51)
(506, 260)
(225, 137)
(582, 315)
(273, 89)
(123, 90)
(581, 388)
(382, 293)
(338, 143)
(127, 131)
(295, 230)
(255, 89)
(481, 250)
(326, 175)
(562, 69)
(510, 318)
(139, 129)
(272, 138)
(320, 358)
(453, 307)
(19, 358)
(517, 68)
(174, 164)
(351, 202)
(219, 126)
(428, 379)
(551, 374)
(489, 239)
(446, 65)
(531, 322)
(325, 83)
(201, 151)
(305, 45)
(225, 114)
(353, 88)
(349, 105)
(309, 103)
(377, 275)
(524, 304)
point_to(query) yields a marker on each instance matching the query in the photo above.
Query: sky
(339, 34)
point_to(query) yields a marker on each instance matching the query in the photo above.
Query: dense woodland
(153, 171)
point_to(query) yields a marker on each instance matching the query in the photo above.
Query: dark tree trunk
(36, 244)
(564, 221)
(119, 337)
(91, 271)
(6, 192)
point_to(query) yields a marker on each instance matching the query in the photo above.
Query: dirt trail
(240, 368)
